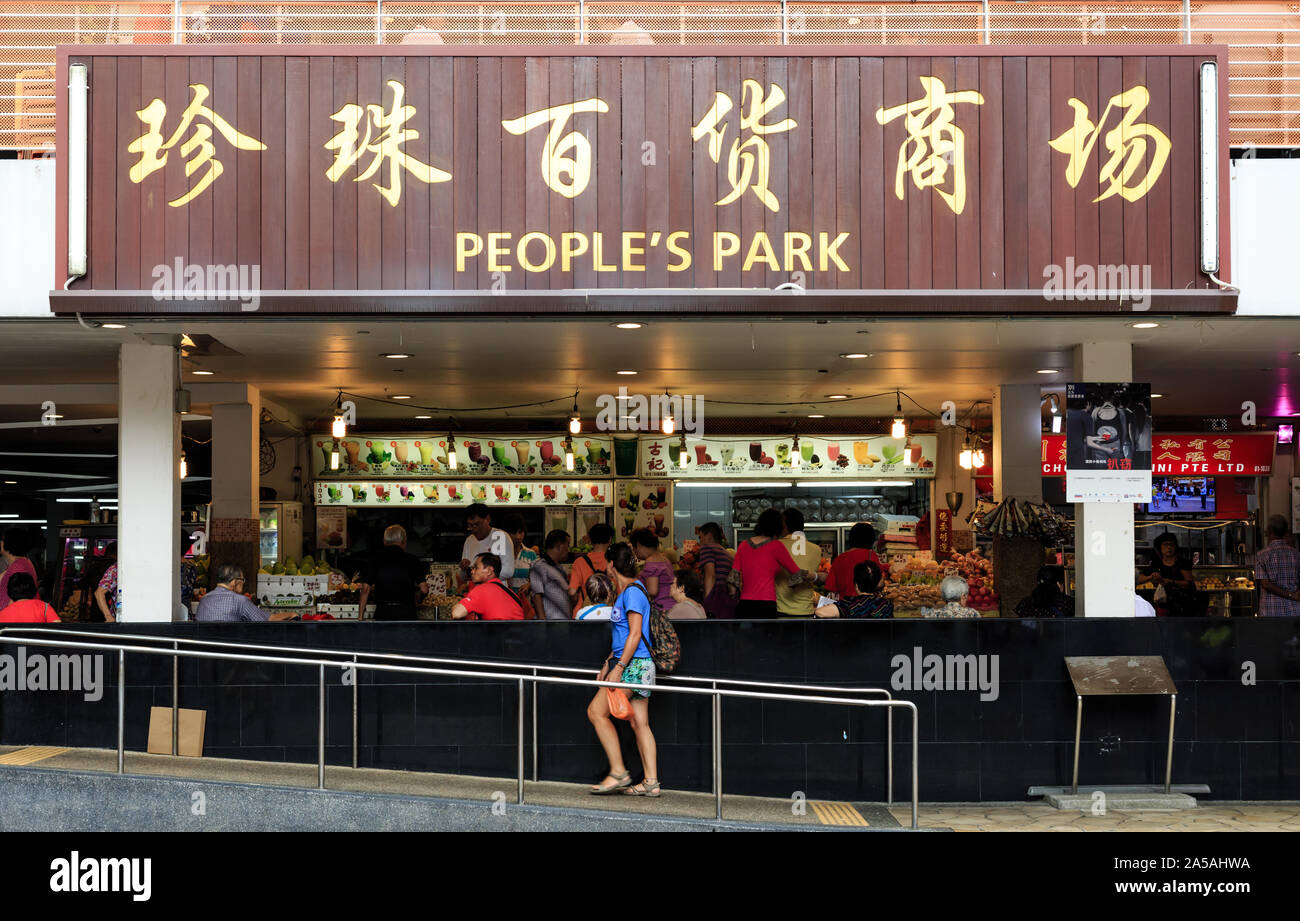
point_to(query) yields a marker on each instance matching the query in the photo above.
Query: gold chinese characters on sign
(197, 150)
(933, 142)
(564, 154)
(1127, 143)
(750, 161)
(386, 148)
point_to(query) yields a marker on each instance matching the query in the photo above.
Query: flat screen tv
(1181, 496)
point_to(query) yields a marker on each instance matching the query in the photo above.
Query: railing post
(582, 40)
(785, 22)
(519, 796)
(535, 690)
(177, 32)
(889, 750)
(717, 752)
(1187, 20)
(379, 22)
(915, 750)
(176, 703)
(320, 736)
(356, 682)
(1169, 754)
(985, 4)
(121, 710)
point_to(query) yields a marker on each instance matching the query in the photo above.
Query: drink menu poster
(855, 457)
(499, 457)
(354, 493)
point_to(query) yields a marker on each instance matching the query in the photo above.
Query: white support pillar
(149, 487)
(1103, 531)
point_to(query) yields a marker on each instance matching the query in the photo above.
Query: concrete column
(149, 487)
(1103, 531)
(1018, 474)
(235, 481)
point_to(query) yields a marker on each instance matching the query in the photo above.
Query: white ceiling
(1202, 366)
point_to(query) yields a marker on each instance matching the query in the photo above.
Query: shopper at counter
(1277, 572)
(797, 600)
(490, 598)
(226, 603)
(549, 581)
(593, 561)
(393, 579)
(14, 549)
(868, 602)
(757, 562)
(106, 594)
(955, 593)
(599, 590)
(1175, 586)
(715, 567)
(1048, 599)
(862, 538)
(656, 571)
(24, 606)
(483, 538)
(688, 597)
(525, 556)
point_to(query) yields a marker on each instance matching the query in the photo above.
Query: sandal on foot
(621, 782)
(650, 789)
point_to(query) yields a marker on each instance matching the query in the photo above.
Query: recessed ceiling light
(1049, 370)
(855, 354)
(1156, 396)
(11, 482)
(114, 326)
(1146, 325)
(395, 355)
(401, 396)
(625, 372)
(837, 396)
(816, 416)
(629, 325)
(200, 371)
(424, 417)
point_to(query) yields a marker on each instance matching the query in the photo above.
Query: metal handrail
(535, 679)
(516, 666)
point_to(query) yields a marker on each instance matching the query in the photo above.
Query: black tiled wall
(1242, 739)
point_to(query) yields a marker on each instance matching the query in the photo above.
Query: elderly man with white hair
(955, 593)
(393, 578)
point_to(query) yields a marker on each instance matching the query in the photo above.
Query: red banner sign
(1214, 454)
(942, 534)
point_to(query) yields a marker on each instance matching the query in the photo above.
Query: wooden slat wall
(834, 172)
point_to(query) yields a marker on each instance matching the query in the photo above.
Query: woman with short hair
(688, 593)
(24, 607)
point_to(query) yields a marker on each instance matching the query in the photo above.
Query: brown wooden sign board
(574, 180)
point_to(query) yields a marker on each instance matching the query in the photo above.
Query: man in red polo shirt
(489, 599)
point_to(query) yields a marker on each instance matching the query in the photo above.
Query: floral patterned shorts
(640, 671)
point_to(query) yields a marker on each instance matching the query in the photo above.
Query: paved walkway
(1210, 816)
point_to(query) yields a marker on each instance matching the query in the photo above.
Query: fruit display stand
(912, 583)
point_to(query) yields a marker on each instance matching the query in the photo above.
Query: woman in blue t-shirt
(630, 663)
